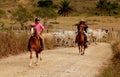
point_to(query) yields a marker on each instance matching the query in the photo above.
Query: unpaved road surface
(61, 62)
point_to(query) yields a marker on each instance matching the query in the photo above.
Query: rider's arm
(42, 27)
(85, 28)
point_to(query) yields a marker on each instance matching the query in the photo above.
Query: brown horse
(81, 40)
(34, 45)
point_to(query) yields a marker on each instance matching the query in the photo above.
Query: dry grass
(12, 44)
(114, 69)
(93, 22)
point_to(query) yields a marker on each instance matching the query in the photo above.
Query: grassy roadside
(13, 43)
(113, 70)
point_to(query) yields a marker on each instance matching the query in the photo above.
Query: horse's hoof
(41, 59)
(30, 64)
(82, 53)
(37, 63)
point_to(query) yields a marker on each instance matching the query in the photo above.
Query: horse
(34, 45)
(81, 40)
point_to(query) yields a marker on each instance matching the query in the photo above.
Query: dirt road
(61, 62)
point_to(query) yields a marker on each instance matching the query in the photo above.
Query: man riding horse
(39, 28)
(82, 27)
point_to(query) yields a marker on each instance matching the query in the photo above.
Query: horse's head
(33, 31)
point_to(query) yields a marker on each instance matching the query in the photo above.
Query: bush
(45, 12)
(116, 49)
(107, 8)
(2, 13)
(49, 43)
(45, 3)
(12, 44)
(21, 15)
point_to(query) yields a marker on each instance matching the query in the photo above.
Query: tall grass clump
(12, 43)
(49, 42)
(113, 70)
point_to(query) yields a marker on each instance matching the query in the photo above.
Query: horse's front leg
(37, 58)
(30, 58)
(40, 56)
(83, 50)
(79, 48)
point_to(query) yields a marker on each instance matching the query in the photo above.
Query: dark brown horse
(81, 40)
(34, 45)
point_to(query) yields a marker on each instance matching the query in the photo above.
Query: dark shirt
(85, 27)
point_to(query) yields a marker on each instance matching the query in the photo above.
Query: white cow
(97, 35)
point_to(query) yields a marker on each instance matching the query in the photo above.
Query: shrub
(2, 13)
(12, 44)
(21, 15)
(45, 3)
(45, 12)
(107, 8)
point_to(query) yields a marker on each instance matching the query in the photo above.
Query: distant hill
(78, 5)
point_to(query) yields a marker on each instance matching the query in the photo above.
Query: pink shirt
(39, 27)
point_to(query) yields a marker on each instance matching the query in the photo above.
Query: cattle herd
(66, 38)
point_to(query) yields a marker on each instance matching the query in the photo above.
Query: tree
(101, 5)
(114, 8)
(45, 10)
(21, 15)
(45, 13)
(107, 8)
(2, 13)
(45, 3)
(65, 8)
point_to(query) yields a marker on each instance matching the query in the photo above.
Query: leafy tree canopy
(21, 15)
(65, 8)
(45, 3)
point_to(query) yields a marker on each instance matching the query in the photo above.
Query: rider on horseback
(40, 28)
(82, 23)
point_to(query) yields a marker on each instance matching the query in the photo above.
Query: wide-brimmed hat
(82, 20)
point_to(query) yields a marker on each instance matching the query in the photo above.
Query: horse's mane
(35, 34)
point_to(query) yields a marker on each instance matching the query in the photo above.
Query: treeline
(105, 7)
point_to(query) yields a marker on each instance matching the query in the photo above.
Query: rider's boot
(86, 41)
(76, 39)
(41, 43)
(86, 38)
